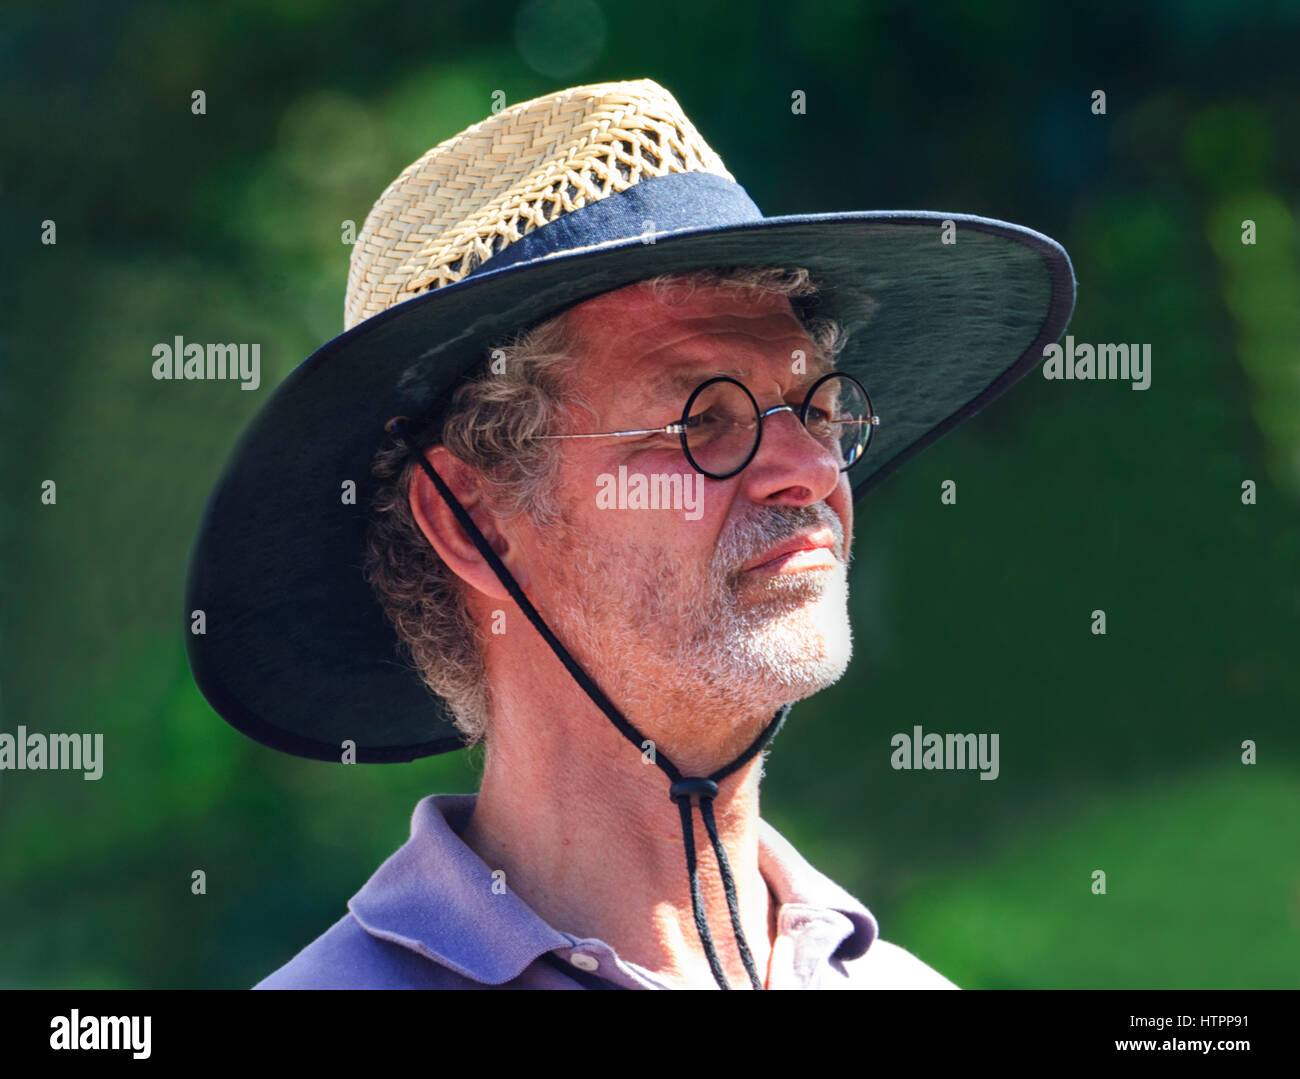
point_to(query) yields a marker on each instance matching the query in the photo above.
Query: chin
(803, 653)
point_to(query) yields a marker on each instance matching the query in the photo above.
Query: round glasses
(721, 425)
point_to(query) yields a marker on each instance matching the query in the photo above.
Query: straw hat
(539, 207)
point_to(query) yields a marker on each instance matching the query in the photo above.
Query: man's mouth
(809, 550)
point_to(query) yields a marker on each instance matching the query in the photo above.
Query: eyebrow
(680, 380)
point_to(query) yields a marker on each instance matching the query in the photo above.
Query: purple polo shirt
(430, 918)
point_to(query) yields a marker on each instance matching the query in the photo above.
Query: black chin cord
(686, 791)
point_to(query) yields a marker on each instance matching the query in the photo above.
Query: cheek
(650, 502)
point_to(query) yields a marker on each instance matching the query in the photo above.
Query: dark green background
(1119, 753)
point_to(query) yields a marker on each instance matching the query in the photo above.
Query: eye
(708, 417)
(713, 422)
(820, 420)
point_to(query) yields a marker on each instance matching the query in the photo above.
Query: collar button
(586, 962)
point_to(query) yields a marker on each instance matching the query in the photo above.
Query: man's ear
(440, 527)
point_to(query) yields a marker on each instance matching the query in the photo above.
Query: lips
(808, 541)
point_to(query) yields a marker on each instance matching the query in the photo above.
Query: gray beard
(713, 657)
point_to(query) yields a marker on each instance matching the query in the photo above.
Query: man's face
(658, 605)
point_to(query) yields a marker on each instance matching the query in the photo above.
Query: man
(608, 477)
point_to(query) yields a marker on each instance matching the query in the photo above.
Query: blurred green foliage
(1119, 752)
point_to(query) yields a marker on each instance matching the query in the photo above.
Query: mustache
(770, 525)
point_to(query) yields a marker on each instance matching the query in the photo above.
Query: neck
(588, 838)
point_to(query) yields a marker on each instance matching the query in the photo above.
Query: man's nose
(791, 466)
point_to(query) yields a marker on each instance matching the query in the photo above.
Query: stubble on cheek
(681, 631)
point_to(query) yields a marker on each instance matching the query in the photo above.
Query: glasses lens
(721, 428)
(839, 416)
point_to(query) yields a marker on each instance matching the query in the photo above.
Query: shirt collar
(435, 896)
(793, 880)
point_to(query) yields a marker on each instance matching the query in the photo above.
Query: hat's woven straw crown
(479, 191)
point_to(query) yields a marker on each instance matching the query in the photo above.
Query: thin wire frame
(680, 428)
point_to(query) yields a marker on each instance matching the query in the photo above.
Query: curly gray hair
(491, 425)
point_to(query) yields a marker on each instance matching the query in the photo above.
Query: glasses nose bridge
(764, 413)
(778, 408)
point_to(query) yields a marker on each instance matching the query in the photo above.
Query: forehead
(630, 332)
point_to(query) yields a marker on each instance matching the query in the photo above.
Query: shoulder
(887, 966)
(345, 956)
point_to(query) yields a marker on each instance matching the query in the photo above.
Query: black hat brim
(297, 652)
